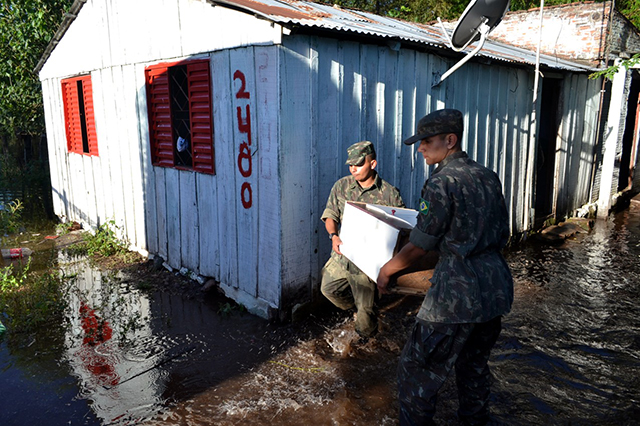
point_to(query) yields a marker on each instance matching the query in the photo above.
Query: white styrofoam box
(369, 234)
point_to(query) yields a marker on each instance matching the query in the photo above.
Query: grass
(104, 243)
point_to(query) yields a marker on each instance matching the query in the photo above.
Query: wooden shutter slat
(92, 136)
(72, 114)
(159, 106)
(199, 77)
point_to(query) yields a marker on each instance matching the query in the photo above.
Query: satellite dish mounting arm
(475, 23)
(483, 29)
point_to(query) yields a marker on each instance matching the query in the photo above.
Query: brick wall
(575, 31)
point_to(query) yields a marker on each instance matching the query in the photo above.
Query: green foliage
(64, 228)
(608, 73)
(409, 10)
(26, 27)
(228, 308)
(10, 217)
(105, 241)
(11, 280)
(630, 9)
(29, 300)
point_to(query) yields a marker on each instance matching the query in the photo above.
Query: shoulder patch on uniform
(423, 206)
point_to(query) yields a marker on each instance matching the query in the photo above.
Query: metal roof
(335, 18)
(311, 15)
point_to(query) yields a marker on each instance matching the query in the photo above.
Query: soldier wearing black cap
(463, 216)
(343, 283)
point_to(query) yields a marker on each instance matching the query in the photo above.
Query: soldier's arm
(405, 258)
(332, 229)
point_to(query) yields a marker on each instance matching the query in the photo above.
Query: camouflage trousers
(348, 287)
(427, 358)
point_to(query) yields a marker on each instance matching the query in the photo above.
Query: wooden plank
(189, 217)
(76, 186)
(408, 120)
(316, 145)
(174, 240)
(137, 211)
(350, 117)
(393, 133)
(246, 145)
(92, 166)
(209, 252)
(331, 157)
(493, 120)
(122, 158)
(104, 111)
(113, 156)
(161, 211)
(223, 118)
(52, 115)
(295, 182)
(422, 108)
(369, 83)
(101, 184)
(208, 236)
(267, 118)
(149, 206)
(484, 96)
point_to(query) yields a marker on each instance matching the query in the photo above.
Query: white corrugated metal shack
(229, 178)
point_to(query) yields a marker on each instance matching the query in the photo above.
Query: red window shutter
(199, 77)
(159, 104)
(87, 91)
(72, 116)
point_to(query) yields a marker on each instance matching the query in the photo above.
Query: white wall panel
(246, 146)
(227, 190)
(148, 188)
(128, 32)
(295, 180)
(189, 240)
(267, 119)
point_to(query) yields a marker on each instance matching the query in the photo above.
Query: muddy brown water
(569, 353)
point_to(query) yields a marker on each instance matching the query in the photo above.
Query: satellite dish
(479, 18)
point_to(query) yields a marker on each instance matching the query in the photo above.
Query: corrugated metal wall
(340, 92)
(576, 151)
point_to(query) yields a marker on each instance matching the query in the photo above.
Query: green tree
(26, 26)
(630, 9)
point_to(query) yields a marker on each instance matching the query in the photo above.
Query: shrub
(105, 241)
(10, 217)
(29, 300)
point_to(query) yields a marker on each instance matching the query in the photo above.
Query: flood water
(569, 353)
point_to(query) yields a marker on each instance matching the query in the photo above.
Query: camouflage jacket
(348, 189)
(463, 216)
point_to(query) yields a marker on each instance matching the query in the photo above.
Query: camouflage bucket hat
(437, 123)
(358, 151)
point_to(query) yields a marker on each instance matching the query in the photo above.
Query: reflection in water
(108, 323)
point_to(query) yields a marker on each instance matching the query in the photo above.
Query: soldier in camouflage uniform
(462, 215)
(343, 283)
